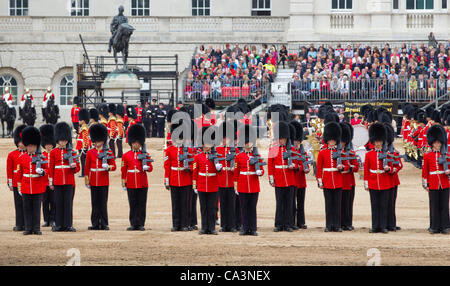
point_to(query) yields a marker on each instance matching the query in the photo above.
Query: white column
(301, 20)
(381, 11)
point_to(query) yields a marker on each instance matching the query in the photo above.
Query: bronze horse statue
(120, 44)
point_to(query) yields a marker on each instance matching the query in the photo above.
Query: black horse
(8, 115)
(51, 113)
(28, 113)
(121, 42)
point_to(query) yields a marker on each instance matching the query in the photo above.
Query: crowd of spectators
(231, 72)
(416, 72)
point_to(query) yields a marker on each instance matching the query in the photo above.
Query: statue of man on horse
(121, 32)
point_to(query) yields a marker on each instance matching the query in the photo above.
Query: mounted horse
(8, 115)
(28, 113)
(121, 43)
(51, 112)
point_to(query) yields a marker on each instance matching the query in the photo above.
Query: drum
(360, 136)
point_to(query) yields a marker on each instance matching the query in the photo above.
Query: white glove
(88, 186)
(73, 165)
(236, 192)
(105, 166)
(20, 193)
(320, 183)
(219, 166)
(366, 185)
(40, 171)
(146, 168)
(195, 191)
(259, 172)
(125, 189)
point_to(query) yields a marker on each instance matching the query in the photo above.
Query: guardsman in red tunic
(11, 172)
(112, 128)
(139, 111)
(299, 176)
(227, 152)
(348, 178)
(205, 182)
(247, 169)
(83, 140)
(103, 112)
(135, 166)
(120, 129)
(377, 178)
(98, 165)
(281, 177)
(131, 121)
(168, 139)
(64, 164)
(31, 170)
(74, 114)
(329, 176)
(48, 202)
(178, 162)
(435, 179)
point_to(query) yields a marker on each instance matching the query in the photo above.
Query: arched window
(8, 80)
(66, 90)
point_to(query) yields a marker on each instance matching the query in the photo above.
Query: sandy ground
(158, 246)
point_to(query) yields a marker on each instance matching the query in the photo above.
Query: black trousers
(32, 211)
(248, 202)
(192, 203)
(112, 146)
(99, 202)
(161, 129)
(64, 206)
(119, 142)
(154, 128)
(208, 209)
(348, 196)
(180, 206)
(227, 208)
(392, 219)
(333, 208)
(18, 205)
(146, 123)
(439, 209)
(299, 206)
(379, 200)
(76, 126)
(284, 203)
(237, 213)
(49, 205)
(83, 162)
(137, 199)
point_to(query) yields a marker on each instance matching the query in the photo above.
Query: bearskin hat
(365, 109)
(132, 112)
(103, 110)
(209, 135)
(332, 116)
(249, 135)
(324, 110)
(230, 127)
(385, 117)
(17, 134)
(210, 103)
(136, 133)
(282, 110)
(31, 136)
(298, 130)
(98, 133)
(380, 110)
(282, 128)
(93, 114)
(63, 132)
(47, 135)
(83, 114)
(170, 114)
(112, 108)
(346, 135)
(411, 113)
(436, 133)
(429, 111)
(332, 131)
(406, 107)
(174, 126)
(390, 134)
(120, 110)
(377, 132)
(372, 116)
(447, 122)
(292, 133)
(76, 100)
(421, 116)
(435, 117)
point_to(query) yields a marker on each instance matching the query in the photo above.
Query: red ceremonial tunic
(94, 171)
(173, 167)
(348, 177)
(245, 174)
(204, 173)
(28, 181)
(278, 168)
(11, 167)
(327, 171)
(226, 175)
(299, 174)
(132, 170)
(74, 114)
(433, 172)
(374, 175)
(60, 172)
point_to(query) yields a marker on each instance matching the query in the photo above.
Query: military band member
(329, 175)
(83, 141)
(281, 177)
(103, 112)
(246, 181)
(178, 177)
(131, 121)
(31, 180)
(47, 96)
(300, 179)
(192, 199)
(97, 176)
(139, 110)
(11, 171)
(120, 129)
(94, 117)
(7, 97)
(48, 203)
(62, 172)
(74, 114)
(112, 127)
(377, 179)
(134, 177)
(435, 180)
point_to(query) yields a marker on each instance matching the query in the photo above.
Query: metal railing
(369, 89)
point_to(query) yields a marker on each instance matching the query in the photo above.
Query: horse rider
(116, 22)
(25, 96)
(7, 97)
(49, 94)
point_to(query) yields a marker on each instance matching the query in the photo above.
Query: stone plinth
(116, 83)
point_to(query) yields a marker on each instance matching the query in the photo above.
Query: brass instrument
(313, 138)
(165, 137)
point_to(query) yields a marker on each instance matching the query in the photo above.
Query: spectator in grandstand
(283, 55)
(344, 87)
(216, 88)
(335, 87)
(432, 40)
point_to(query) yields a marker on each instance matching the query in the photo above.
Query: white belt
(177, 169)
(15, 171)
(330, 170)
(437, 172)
(207, 174)
(281, 166)
(98, 170)
(248, 173)
(377, 171)
(80, 139)
(134, 171)
(31, 175)
(62, 167)
(226, 168)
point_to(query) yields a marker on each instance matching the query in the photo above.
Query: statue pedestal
(117, 82)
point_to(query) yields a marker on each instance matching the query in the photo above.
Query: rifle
(185, 157)
(104, 156)
(255, 159)
(304, 158)
(144, 156)
(38, 160)
(443, 159)
(392, 158)
(288, 154)
(69, 156)
(231, 156)
(213, 156)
